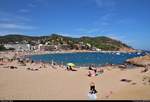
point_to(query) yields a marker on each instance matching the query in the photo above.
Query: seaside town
(46, 47)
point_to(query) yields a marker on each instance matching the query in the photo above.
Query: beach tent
(71, 64)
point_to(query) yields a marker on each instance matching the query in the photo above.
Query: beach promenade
(38, 81)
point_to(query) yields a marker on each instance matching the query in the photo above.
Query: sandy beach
(47, 82)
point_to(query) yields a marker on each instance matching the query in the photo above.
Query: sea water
(86, 58)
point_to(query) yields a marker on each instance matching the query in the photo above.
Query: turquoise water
(87, 58)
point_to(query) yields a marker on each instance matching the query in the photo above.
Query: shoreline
(27, 54)
(77, 51)
(72, 51)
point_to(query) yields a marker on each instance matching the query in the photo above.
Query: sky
(124, 20)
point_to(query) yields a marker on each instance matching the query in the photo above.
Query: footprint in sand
(109, 94)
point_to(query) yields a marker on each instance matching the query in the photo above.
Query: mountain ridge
(101, 42)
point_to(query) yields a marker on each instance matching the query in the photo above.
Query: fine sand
(59, 84)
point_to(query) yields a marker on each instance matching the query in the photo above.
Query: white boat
(118, 53)
(138, 53)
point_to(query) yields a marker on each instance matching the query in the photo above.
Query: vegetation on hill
(104, 43)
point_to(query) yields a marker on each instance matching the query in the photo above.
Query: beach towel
(92, 96)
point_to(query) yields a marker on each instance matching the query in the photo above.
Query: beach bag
(92, 96)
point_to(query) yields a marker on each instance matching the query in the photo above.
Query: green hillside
(102, 42)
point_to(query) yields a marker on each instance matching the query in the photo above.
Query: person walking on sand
(92, 88)
(92, 93)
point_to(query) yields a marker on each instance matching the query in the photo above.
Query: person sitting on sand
(90, 67)
(91, 73)
(92, 88)
(95, 72)
(69, 68)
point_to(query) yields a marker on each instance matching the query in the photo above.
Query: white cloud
(21, 18)
(9, 17)
(9, 21)
(15, 26)
(24, 10)
(2, 33)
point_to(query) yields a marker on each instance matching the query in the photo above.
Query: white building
(19, 47)
(96, 49)
(42, 47)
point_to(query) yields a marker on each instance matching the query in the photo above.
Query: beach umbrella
(71, 64)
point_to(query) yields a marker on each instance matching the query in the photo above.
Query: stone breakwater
(140, 61)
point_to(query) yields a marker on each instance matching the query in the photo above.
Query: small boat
(118, 53)
(138, 53)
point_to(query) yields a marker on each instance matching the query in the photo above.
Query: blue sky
(125, 20)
